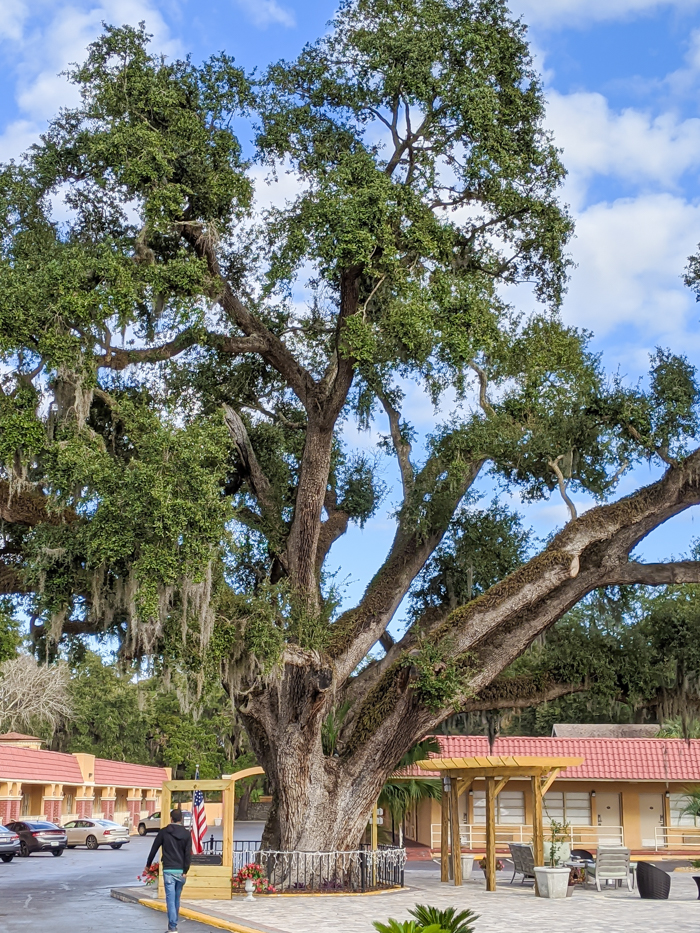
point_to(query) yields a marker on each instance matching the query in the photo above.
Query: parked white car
(94, 833)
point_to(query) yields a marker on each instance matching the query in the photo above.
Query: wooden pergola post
(490, 833)
(537, 827)
(444, 832)
(454, 834)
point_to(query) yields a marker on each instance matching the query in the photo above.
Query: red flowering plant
(256, 873)
(150, 874)
(499, 864)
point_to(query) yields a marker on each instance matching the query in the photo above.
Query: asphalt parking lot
(70, 894)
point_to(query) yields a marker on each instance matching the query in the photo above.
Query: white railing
(473, 836)
(677, 837)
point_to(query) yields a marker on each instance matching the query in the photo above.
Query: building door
(651, 816)
(608, 809)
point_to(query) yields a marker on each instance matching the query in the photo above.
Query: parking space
(71, 894)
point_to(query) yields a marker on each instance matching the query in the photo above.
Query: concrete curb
(130, 896)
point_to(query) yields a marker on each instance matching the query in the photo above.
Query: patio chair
(523, 860)
(612, 864)
(654, 884)
(582, 855)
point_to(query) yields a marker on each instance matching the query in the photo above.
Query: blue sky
(622, 79)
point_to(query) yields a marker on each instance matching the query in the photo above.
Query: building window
(510, 807)
(570, 807)
(677, 804)
(68, 803)
(26, 804)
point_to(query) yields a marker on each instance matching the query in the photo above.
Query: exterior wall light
(592, 793)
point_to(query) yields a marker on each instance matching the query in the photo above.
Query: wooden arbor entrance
(208, 881)
(457, 776)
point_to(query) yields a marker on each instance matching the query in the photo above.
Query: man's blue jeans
(173, 889)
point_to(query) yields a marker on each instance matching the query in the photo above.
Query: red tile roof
(28, 764)
(123, 774)
(605, 759)
(16, 736)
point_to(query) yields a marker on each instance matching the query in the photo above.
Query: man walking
(176, 843)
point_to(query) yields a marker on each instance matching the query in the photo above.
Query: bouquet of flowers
(149, 874)
(257, 875)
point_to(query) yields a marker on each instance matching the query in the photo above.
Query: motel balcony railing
(473, 835)
(677, 837)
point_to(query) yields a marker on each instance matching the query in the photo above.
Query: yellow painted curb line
(189, 914)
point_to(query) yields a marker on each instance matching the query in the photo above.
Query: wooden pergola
(208, 881)
(458, 774)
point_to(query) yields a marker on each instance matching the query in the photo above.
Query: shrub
(448, 920)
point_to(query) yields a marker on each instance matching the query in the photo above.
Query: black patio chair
(654, 884)
(582, 854)
(523, 860)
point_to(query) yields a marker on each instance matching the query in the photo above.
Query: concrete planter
(552, 882)
(467, 865)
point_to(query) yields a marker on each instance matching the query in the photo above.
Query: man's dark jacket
(176, 843)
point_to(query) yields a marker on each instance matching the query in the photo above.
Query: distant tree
(400, 795)
(10, 638)
(33, 697)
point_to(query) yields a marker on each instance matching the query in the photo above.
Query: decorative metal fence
(245, 851)
(315, 872)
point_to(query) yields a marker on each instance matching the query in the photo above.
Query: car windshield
(4, 829)
(42, 825)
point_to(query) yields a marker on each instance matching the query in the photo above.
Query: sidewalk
(506, 909)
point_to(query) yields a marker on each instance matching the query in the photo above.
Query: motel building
(38, 784)
(628, 791)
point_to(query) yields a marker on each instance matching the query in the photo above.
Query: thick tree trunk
(320, 802)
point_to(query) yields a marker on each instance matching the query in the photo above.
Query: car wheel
(23, 849)
(142, 829)
(91, 842)
(57, 852)
(7, 858)
(116, 845)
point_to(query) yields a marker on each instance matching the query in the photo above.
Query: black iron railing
(244, 850)
(313, 872)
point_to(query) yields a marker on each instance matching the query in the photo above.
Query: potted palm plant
(552, 880)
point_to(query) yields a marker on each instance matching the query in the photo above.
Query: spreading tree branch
(401, 446)
(561, 482)
(259, 483)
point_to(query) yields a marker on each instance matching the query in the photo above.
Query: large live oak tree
(181, 369)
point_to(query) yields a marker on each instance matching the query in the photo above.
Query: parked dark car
(9, 844)
(39, 836)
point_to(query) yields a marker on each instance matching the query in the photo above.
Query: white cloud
(578, 12)
(17, 138)
(13, 13)
(44, 45)
(630, 255)
(631, 144)
(264, 13)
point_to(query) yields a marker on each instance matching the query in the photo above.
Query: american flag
(199, 822)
